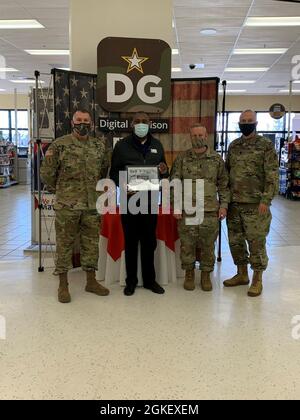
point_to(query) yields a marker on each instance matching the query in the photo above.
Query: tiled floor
(15, 222)
(181, 345)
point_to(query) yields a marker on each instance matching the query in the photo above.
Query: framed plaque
(143, 178)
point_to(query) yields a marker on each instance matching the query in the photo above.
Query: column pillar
(93, 20)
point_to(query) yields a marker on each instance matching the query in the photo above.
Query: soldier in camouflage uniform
(200, 162)
(72, 167)
(252, 164)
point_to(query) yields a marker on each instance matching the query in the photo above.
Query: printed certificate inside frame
(142, 178)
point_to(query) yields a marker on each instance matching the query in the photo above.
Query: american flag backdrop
(72, 90)
(193, 101)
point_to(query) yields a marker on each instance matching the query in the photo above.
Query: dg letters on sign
(134, 75)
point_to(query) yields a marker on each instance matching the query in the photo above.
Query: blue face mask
(141, 130)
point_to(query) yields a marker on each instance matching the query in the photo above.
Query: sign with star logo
(134, 75)
(135, 62)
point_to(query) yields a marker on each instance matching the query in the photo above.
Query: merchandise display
(8, 164)
(289, 171)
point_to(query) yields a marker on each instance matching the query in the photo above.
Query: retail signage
(123, 125)
(134, 75)
(48, 216)
(277, 111)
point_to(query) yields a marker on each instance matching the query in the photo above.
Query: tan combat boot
(189, 282)
(93, 286)
(256, 286)
(240, 279)
(63, 290)
(206, 284)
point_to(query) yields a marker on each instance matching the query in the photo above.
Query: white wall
(259, 103)
(8, 101)
(93, 20)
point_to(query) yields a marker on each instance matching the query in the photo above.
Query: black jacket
(127, 152)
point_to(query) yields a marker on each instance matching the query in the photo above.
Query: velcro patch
(49, 153)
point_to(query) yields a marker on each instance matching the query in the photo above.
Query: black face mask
(82, 129)
(247, 129)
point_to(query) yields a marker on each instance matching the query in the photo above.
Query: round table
(112, 255)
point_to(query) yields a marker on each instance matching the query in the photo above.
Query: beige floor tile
(182, 345)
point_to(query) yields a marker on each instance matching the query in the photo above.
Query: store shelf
(8, 165)
(289, 170)
(9, 184)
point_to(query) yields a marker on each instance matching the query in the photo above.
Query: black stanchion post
(224, 84)
(38, 166)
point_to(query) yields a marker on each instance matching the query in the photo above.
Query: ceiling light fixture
(176, 69)
(20, 24)
(48, 52)
(208, 32)
(8, 69)
(240, 82)
(273, 21)
(260, 51)
(247, 69)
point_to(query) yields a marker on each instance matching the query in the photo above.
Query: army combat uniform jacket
(210, 167)
(253, 170)
(71, 170)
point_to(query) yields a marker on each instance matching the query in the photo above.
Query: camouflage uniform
(210, 167)
(71, 170)
(253, 179)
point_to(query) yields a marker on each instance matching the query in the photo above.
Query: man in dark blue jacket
(139, 149)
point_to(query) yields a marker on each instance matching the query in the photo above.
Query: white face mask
(141, 130)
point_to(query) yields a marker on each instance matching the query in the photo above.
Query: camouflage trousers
(69, 225)
(201, 237)
(246, 226)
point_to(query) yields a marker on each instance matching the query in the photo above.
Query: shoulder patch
(49, 153)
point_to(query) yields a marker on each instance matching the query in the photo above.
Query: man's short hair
(140, 113)
(198, 125)
(252, 112)
(83, 111)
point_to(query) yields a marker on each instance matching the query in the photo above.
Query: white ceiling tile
(226, 16)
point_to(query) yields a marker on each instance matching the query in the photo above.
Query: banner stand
(42, 134)
(223, 143)
(38, 144)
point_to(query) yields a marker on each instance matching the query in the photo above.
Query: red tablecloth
(111, 228)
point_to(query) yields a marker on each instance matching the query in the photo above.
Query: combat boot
(93, 286)
(63, 290)
(240, 279)
(189, 282)
(256, 286)
(206, 284)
